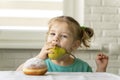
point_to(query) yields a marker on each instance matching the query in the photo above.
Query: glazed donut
(35, 66)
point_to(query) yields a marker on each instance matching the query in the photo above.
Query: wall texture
(104, 17)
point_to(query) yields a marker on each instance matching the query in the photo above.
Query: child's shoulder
(47, 60)
(84, 66)
(80, 61)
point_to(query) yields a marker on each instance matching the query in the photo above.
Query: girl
(65, 32)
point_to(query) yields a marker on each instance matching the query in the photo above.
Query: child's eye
(64, 36)
(51, 33)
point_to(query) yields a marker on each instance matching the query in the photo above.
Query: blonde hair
(83, 34)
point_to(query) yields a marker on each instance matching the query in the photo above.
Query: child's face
(59, 34)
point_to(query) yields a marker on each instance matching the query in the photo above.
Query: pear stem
(71, 55)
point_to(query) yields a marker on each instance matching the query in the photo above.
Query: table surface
(19, 75)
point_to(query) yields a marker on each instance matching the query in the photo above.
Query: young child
(65, 32)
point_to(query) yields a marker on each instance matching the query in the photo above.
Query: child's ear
(76, 44)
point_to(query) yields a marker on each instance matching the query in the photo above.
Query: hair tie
(83, 27)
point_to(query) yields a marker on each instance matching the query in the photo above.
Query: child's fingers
(102, 56)
(99, 57)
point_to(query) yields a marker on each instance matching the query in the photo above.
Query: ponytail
(86, 34)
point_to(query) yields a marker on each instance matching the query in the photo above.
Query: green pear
(57, 53)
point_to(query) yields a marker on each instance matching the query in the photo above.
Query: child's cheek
(49, 39)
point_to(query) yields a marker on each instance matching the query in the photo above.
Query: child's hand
(102, 62)
(44, 51)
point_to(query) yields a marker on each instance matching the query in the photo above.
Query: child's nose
(55, 40)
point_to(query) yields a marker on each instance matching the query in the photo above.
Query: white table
(18, 75)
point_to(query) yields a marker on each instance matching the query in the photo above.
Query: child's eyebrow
(51, 30)
(67, 33)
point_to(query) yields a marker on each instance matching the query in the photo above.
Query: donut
(34, 66)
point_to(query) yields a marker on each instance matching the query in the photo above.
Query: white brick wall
(10, 59)
(103, 16)
(111, 3)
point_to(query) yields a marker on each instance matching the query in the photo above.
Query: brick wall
(104, 17)
(10, 59)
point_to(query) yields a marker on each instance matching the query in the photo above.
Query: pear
(57, 53)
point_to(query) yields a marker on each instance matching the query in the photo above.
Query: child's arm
(102, 62)
(42, 55)
(20, 68)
